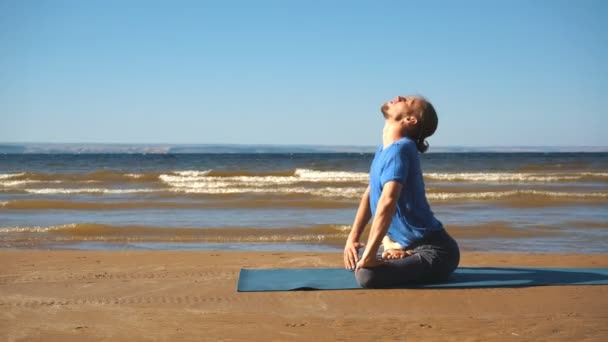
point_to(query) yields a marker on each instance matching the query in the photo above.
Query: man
(417, 248)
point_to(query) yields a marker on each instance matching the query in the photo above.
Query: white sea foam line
(27, 181)
(10, 175)
(566, 194)
(502, 194)
(347, 192)
(338, 192)
(216, 185)
(307, 237)
(36, 229)
(201, 180)
(192, 173)
(223, 183)
(299, 174)
(88, 190)
(244, 180)
(506, 176)
(178, 180)
(595, 174)
(315, 174)
(322, 192)
(41, 229)
(18, 182)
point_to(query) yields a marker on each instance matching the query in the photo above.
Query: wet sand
(167, 295)
(326, 234)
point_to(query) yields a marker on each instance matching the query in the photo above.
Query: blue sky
(500, 73)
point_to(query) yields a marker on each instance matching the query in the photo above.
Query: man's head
(411, 116)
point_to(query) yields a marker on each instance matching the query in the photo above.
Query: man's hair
(427, 124)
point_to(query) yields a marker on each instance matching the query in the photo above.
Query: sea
(491, 202)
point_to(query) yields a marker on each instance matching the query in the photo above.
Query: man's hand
(369, 262)
(351, 254)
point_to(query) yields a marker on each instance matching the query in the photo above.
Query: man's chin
(384, 108)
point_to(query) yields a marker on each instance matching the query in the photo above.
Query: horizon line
(288, 144)
(182, 148)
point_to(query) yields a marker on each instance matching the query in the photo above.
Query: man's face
(401, 107)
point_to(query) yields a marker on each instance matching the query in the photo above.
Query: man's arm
(351, 249)
(362, 217)
(384, 215)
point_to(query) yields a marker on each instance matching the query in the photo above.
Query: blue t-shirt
(413, 217)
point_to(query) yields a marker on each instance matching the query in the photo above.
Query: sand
(170, 296)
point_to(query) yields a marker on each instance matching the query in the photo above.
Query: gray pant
(435, 258)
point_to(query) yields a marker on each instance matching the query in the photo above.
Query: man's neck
(390, 135)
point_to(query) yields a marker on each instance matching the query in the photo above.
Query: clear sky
(506, 73)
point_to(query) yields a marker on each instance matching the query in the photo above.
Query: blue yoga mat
(464, 277)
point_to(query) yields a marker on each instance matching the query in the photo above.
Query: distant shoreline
(95, 148)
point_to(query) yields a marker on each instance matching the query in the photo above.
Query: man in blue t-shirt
(416, 246)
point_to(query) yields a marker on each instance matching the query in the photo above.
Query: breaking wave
(517, 177)
(103, 232)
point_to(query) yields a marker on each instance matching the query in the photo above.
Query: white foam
(331, 176)
(192, 173)
(179, 181)
(513, 193)
(566, 194)
(201, 180)
(10, 175)
(343, 228)
(320, 192)
(510, 177)
(36, 229)
(595, 174)
(88, 191)
(18, 182)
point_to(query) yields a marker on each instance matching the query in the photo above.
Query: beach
(59, 295)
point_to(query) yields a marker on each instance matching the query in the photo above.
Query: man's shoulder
(403, 145)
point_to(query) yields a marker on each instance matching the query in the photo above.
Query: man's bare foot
(396, 253)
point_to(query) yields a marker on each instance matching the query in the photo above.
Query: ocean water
(491, 202)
